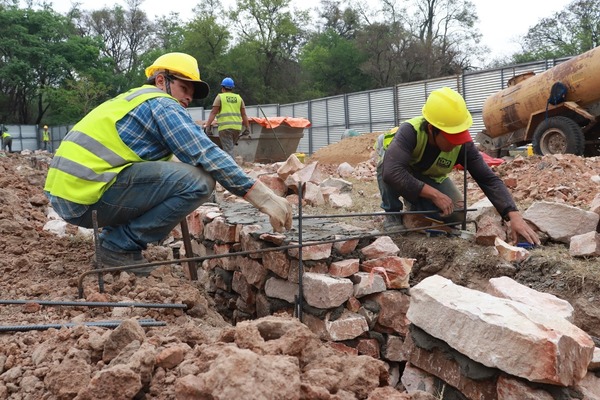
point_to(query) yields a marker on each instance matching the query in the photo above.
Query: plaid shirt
(160, 127)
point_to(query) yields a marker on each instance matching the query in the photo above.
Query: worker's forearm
(430, 193)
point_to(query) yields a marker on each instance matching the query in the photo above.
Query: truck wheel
(558, 135)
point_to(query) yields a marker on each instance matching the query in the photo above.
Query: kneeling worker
(116, 161)
(421, 154)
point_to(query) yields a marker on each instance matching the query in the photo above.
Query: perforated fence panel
(364, 112)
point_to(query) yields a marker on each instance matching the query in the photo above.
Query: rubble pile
(370, 330)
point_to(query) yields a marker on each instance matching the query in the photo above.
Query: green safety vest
(92, 154)
(445, 161)
(5, 135)
(230, 116)
(45, 136)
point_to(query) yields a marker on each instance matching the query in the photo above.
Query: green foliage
(56, 67)
(333, 64)
(39, 51)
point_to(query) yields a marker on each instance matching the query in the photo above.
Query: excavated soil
(36, 264)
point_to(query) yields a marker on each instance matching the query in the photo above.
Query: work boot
(393, 223)
(111, 258)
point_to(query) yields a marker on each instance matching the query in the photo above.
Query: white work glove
(276, 207)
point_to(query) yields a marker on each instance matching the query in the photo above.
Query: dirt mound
(352, 150)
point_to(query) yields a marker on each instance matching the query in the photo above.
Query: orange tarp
(491, 161)
(274, 122)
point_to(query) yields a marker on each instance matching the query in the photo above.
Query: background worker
(45, 137)
(6, 140)
(419, 157)
(230, 111)
(116, 161)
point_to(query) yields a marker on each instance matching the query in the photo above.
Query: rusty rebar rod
(187, 245)
(300, 296)
(248, 252)
(101, 324)
(94, 304)
(376, 214)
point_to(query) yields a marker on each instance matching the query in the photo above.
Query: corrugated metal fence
(364, 112)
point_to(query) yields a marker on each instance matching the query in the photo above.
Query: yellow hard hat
(184, 67)
(446, 110)
(45, 126)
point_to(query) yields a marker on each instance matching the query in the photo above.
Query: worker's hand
(518, 227)
(444, 203)
(246, 132)
(276, 207)
(208, 129)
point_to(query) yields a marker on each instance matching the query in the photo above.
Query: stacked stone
(509, 343)
(354, 291)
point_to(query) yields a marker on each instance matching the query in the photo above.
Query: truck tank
(521, 106)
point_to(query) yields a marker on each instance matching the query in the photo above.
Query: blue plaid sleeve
(160, 127)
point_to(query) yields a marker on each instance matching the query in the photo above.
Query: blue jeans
(146, 202)
(390, 197)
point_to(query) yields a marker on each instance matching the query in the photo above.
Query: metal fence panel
(359, 110)
(410, 100)
(336, 111)
(369, 111)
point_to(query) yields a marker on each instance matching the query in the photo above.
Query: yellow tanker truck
(557, 110)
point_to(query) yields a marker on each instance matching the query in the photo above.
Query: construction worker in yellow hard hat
(116, 161)
(45, 137)
(422, 153)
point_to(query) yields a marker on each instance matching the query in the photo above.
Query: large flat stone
(513, 337)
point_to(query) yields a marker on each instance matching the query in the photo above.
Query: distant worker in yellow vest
(45, 137)
(6, 140)
(116, 161)
(230, 111)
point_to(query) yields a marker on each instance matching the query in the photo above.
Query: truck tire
(558, 135)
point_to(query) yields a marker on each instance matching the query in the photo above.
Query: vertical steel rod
(300, 299)
(464, 222)
(97, 261)
(187, 245)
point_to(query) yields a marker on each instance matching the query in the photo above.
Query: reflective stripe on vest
(230, 116)
(92, 154)
(441, 167)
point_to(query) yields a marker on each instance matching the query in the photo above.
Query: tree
(126, 35)
(39, 51)
(278, 34)
(346, 22)
(446, 36)
(569, 32)
(207, 38)
(333, 64)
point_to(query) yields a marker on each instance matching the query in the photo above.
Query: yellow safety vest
(45, 136)
(92, 154)
(5, 135)
(445, 161)
(230, 116)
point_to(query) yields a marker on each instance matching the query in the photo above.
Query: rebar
(376, 214)
(97, 260)
(300, 296)
(94, 304)
(187, 245)
(102, 324)
(248, 252)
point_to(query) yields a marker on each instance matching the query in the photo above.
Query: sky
(500, 22)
